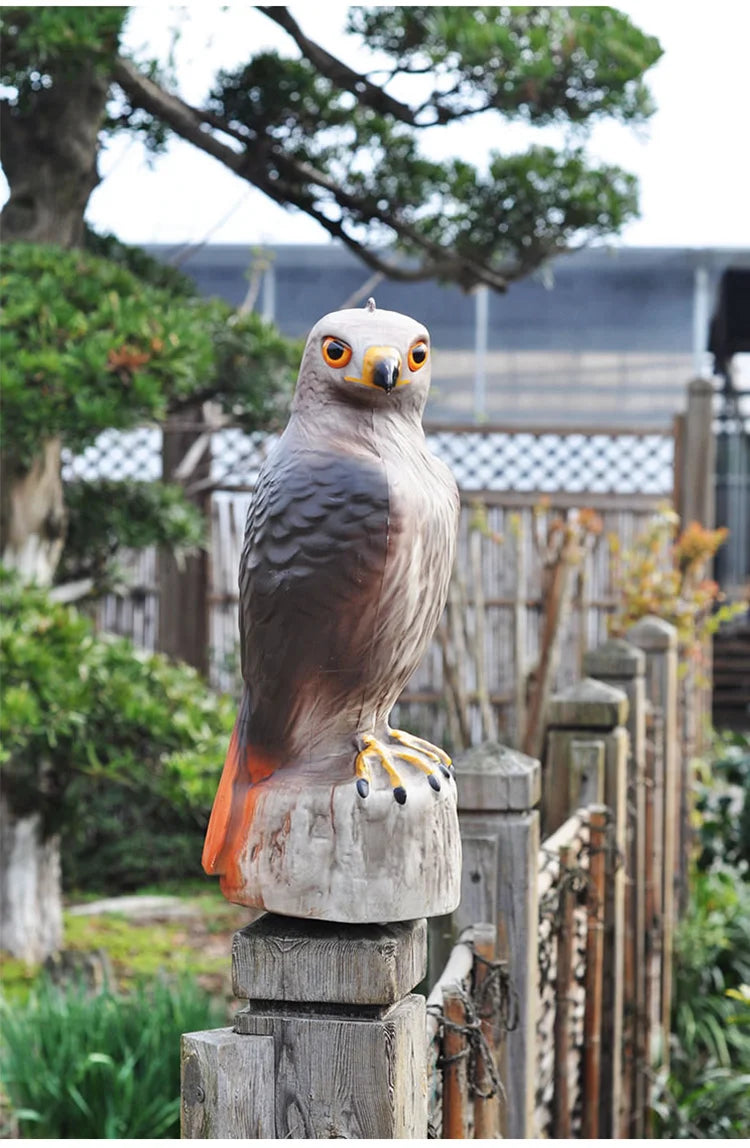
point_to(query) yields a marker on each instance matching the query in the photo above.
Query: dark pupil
(335, 351)
(419, 354)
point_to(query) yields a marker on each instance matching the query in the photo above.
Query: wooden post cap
(319, 962)
(493, 777)
(653, 633)
(615, 658)
(589, 704)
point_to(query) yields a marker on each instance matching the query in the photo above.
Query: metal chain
(477, 1052)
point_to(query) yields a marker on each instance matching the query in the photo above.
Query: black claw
(400, 794)
(434, 782)
(363, 787)
(444, 770)
(452, 771)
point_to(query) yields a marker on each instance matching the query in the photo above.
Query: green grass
(138, 951)
(103, 1066)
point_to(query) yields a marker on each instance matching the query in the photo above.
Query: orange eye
(418, 355)
(336, 352)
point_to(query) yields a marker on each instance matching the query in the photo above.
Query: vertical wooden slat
(184, 589)
(486, 1109)
(643, 1126)
(659, 641)
(455, 1049)
(498, 790)
(561, 1098)
(623, 665)
(519, 630)
(594, 960)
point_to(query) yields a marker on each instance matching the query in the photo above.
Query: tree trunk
(30, 887)
(32, 515)
(49, 154)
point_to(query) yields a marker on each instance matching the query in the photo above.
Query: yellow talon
(418, 753)
(422, 746)
(372, 747)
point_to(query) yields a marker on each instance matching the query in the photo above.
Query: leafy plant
(87, 346)
(723, 806)
(75, 1066)
(705, 1093)
(76, 706)
(106, 517)
(664, 573)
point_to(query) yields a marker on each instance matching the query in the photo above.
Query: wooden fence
(516, 483)
(548, 1014)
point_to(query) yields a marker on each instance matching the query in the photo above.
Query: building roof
(603, 336)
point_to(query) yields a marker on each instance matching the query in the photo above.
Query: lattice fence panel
(523, 461)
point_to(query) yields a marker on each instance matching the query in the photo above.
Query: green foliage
(76, 1067)
(705, 1094)
(86, 346)
(38, 42)
(543, 65)
(77, 706)
(723, 806)
(107, 516)
(141, 952)
(130, 839)
(340, 146)
(143, 265)
(539, 64)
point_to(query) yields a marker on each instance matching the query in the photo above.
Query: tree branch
(341, 74)
(191, 124)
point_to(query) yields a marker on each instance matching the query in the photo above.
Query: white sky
(693, 159)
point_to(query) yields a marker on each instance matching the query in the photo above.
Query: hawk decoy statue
(348, 551)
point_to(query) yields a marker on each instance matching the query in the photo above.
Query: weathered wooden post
(324, 812)
(331, 1042)
(498, 795)
(593, 711)
(658, 640)
(620, 664)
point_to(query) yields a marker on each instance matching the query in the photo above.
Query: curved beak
(381, 367)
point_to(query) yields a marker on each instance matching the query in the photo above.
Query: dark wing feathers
(310, 577)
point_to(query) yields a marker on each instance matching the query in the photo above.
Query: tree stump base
(316, 849)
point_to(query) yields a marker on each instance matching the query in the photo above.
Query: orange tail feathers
(245, 766)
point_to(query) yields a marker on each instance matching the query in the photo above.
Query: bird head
(366, 357)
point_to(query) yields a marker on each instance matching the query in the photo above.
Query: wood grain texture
(623, 666)
(561, 1098)
(498, 789)
(659, 641)
(589, 703)
(339, 1077)
(590, 1119)
(280, 958)
(317, 850)
(613, 989)
(227, 1084)
(495, 778)
(486, 1108)
(455, 1080)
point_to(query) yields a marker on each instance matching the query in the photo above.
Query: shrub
(90, 725)
(723, 805)
(87, 346)
(74, 1066)
(705, 1094)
